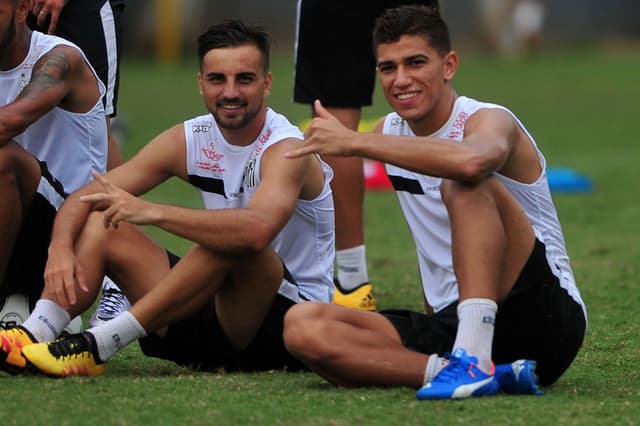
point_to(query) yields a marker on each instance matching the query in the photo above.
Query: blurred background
(167, 29)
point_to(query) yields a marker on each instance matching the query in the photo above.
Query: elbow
(475, 170)
(260, 236)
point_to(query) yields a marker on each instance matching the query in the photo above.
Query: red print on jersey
(458, 123)
(262, 140)
(211, 154)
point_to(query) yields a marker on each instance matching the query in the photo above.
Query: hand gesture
(325, 135)
(119, 205)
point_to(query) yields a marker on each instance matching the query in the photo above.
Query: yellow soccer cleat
(361, 297)
(12, 341)
(71, 355)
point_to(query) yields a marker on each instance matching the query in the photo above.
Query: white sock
(434, 365)
(476, 323)
(47, 320)
(352, 267)
(115, 334)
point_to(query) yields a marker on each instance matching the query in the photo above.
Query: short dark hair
(417, 20)
(233, 33)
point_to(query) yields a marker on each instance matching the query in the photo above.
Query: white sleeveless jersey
(428, 220)
(72, 144)
(228, 176)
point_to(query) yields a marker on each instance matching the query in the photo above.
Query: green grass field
(580, 105)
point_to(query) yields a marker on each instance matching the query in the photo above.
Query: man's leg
(244, 287)
(492, 239)
(19, 177)
(348, 189)
(351, 348)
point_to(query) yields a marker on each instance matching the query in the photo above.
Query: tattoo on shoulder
(52, 69)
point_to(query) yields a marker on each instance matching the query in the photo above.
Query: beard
(238, 121)
(9, 35)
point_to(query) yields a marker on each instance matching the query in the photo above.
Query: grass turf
(581, 107)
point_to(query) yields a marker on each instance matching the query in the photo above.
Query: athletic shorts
(539, 320)
(25, 271)
(199, 342)
(334, 54)
(95, 26)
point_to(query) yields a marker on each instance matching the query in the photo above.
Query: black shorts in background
(334, 55)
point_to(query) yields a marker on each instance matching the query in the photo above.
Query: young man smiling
(264, 242)
(494, 268)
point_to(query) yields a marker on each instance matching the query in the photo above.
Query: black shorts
(199, 342)
(539, 320)
(25, 270)
(95, 26)
(334, 55)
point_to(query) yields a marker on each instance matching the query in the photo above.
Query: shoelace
(452, 371)
(113, 302)
(69, 346)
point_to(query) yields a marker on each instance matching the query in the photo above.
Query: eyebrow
(407, 59)
(240, 74)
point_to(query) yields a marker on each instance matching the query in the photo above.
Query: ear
(268, 81)
(200, 83)
(450, 62)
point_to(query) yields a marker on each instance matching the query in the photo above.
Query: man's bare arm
(230, 230)
(51, 82)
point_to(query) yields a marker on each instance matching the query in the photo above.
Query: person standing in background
(337, 67)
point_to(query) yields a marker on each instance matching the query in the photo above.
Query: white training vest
(428, 220)
(72, 144)
(228, 176)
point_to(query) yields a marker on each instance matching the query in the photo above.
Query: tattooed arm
(61, 78)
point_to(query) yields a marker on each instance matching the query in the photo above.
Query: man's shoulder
(278, 127)
(47, 42)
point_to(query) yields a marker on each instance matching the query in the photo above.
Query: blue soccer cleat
(460, 378)
(519, 377)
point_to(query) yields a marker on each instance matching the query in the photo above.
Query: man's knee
(458, 194)
(304, 326)
(94, 229)
(16, 165)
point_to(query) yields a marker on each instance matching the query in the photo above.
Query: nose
(230, 90)
(403, 78)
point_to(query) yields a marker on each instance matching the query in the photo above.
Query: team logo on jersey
(249, 177)
(201, 128)
(24, 80)
(397, 121)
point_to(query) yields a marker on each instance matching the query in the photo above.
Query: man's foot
(460, 378)
(72, 355)
(112, 304)
(12, 341)
(519, 377)
(361, 297)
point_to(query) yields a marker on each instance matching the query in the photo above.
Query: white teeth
(404, 96)
(231, 106)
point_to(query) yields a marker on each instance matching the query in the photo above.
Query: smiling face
(234, 87)
(416, 80)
